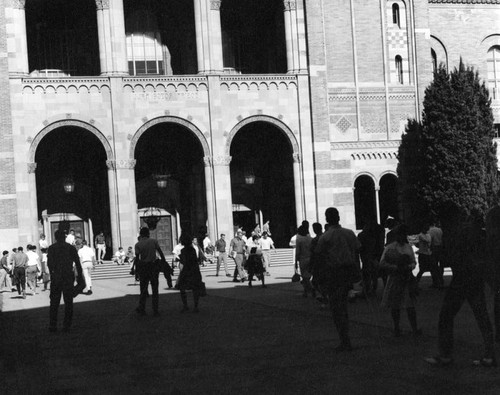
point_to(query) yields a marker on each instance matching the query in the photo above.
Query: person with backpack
(255, 266)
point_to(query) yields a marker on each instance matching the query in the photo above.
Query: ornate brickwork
(374, 155)
(222, 160)
(289, 5)
(215, 5)
(31, 167)
(296, 157)
(207, 160)
(121, 164)
(343, 124)
(102, 4)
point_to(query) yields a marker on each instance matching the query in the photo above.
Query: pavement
(243, 341)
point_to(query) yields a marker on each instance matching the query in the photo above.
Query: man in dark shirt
(60, 259)
(220, 247)
(148, 270)
(19, 263)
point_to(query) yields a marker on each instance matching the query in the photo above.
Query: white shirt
(43, 243)
(70, 239)
(293, 241)
(120, 254)
(206, 243)
(86, 254)
(266, 243)
(177, 250)
(33, 259)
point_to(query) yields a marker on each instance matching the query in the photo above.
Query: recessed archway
(364, 200)
(388, 196)
(262, 150)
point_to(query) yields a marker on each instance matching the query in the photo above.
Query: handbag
(296, 275)
(165, 267)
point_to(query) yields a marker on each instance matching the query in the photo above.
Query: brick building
(217, 113)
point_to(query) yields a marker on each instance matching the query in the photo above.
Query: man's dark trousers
(148, 273)
(55, 300)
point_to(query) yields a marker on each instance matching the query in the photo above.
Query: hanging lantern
(161, 180)
(152, 216)
(69, 185)
(249, 176)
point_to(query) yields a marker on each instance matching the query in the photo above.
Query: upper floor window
(493, 69)
(395, 15)
(399, 68)
(434, 61)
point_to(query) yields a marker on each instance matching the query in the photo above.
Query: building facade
(204, 115)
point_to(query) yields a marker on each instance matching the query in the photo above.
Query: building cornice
(464, 1)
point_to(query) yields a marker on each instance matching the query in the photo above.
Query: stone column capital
(121, 164)
(207, 160)
(215, 5)
(296, 157)
(19, 4)
(31, 167)
(102, 4)
(221, 160)
(289, 5)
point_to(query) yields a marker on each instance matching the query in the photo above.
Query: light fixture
(161, 180)
(249, 176)
(69, 185)
(152, 216)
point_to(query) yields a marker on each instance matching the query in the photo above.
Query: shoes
(439, 361)
(228, 275)
(24, 295)
(343, 347)
(184, 309)
(486, 362)
(140, 311)
(89, 292)
(244, 279)
(216, 274)
(235, 280)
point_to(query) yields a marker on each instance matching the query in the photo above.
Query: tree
(447, 162)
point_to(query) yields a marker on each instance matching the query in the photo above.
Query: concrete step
(107, 270)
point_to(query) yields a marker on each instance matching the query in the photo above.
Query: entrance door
(77, 226)
(162, 233)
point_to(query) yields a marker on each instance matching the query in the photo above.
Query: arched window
(434, 61)
(493, 67)
(399, 68)
(395, 15)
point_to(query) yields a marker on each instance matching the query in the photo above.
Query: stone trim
(102, 4)
(374, 155)
(31, 167)
(215, 5)
(262, 118)
(296, 157)
(121, 164)
(464, 1)
(222, 160)
(17, 4)
(289, 5)
(68, 122)
(169, 119)
(366, 144)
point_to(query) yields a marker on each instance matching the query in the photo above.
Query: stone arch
(169, 119)
(69, 122)
(263, 118)
(385, 173)
(440, 50)
(364, 173)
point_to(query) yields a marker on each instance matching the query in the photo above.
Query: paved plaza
(243, 341)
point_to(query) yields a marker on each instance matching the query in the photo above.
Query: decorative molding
(111, 164)
(296, 157)
(215, 5)
(221, 160)
(366, 144)
(129, 137)
(207, 160)
(289, 5)
(102, 4)
(464, 1)
(109, 137)
(374, 155)
(31, 167)
(29, 139)
(258, 82)
(64, 85)
(128, 164)
(18, 4)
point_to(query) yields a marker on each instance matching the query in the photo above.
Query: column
(112, 38)
(113, 205)
(209, 188)
(17, 41)
(296, 52)
(297, 186)
(127, 202)
(208, 36)
(33, 208)
(224, 199)
(377, 203)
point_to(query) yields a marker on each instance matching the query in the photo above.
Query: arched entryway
(72, 183)
(364, 200)
(388, 197)
(170, 181)
(262, 180)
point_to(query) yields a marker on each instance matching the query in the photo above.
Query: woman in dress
(302, 258)
(190, 275)
(398, 260)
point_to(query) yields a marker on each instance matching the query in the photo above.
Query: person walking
(255, 266)
(5, 283)
(266, 244)
(316, 266)
(100, 243)
(32, 268)
(19, 263)
(45, 270)
(339, 248)
(425, 261)
(88, 261)
(398, 259)
(190, 275)
(369, 257)
(436, 253)
(302, 259)
(145, 252)
(220, 248)
(61, 257)
(238, 251)
(469, 257)
(493, 246)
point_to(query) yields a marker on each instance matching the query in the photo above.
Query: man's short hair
(84, 242)
(60, 235)
(222, 234)
(144, 232)
(264, 233)
(332, 215)
(20, 248)
(5, 252)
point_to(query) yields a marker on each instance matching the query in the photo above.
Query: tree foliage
(447, 162)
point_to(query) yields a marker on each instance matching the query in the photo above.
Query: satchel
(296, 275)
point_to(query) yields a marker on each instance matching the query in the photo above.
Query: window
(497, 130)
(399, 68)
(434, 61)
(145, 53)
(395, 15)
(493, 69)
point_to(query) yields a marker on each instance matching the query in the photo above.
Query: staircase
(108, 270)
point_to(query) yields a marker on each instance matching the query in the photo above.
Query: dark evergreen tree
(449, 159)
